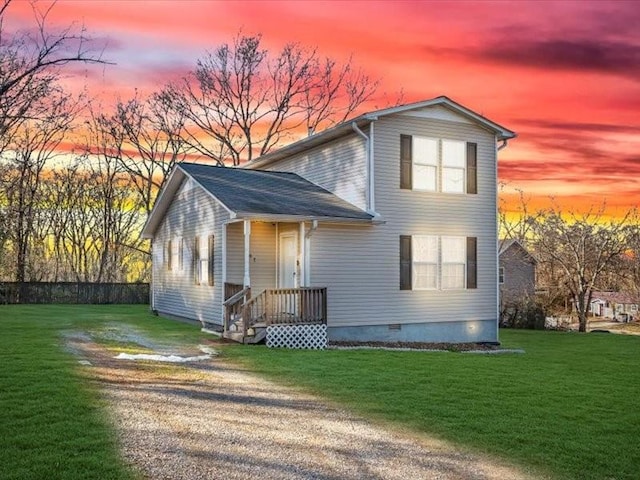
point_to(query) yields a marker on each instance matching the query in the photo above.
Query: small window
(181, 254)
(169, 255)
(501, 275)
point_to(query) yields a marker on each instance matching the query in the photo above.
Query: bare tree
(35, 144)
(241, 101)
(582, 248)
(35, 115)
(152, 143)
(30, 65)
(118, 210)
(516, 221)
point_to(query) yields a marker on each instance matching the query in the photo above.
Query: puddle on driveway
(208, 353)
(126, 334)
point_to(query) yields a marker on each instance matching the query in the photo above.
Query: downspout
(497, 247)
(307, 253)
(368, 150)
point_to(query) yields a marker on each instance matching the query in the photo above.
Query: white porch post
(247, 246)
(302, 282)
(224, 264)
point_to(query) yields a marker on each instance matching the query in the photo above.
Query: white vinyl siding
(192, 213)
(359, 264)
(339, 166)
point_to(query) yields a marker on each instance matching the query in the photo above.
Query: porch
(267, 283)
(247, 318)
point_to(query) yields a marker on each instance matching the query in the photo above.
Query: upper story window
(438, 165)
(454, 165)
(425, 164)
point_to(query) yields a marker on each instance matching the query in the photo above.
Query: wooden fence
(72, 292)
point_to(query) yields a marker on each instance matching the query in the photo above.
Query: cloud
(579, 126)
(579, 55)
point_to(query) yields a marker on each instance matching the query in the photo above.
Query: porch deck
(246, 318)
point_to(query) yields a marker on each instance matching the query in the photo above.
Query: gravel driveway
(215, 420)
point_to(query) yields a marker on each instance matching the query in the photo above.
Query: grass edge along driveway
(568, 407)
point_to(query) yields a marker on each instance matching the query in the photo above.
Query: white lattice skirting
(297, 336)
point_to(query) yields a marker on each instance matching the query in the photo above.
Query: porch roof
(259, 193)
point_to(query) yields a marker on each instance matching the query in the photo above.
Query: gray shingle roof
(258, 192)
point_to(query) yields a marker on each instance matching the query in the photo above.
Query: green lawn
(52, 424)
(568, 407)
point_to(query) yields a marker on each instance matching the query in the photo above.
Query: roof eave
(276, 217)
(306, 143)
(162, 203)
(345, 128)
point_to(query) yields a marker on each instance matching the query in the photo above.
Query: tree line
(577, 253)
(78, 179)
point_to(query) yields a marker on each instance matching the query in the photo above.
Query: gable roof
(346, 127)
(506, 243)
(257, 194)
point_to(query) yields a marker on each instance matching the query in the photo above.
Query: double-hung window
(438, 165)
(425, 164)
(454, 259)
(453, 166)
(425, 262)
(431, 262)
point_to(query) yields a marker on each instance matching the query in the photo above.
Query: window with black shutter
(405, 162)
(472, 262)
(196, 260)
(169, 255)
(210, 262)
(472, 167)
(405, 262)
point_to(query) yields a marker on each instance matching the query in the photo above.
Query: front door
(288, 256)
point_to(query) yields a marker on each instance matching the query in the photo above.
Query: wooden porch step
(259, 329)
(235, 336)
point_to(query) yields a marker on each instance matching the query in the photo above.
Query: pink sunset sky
(564, 75)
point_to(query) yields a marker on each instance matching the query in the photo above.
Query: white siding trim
(372, 183)
(497, 297)
(302, 257)
(247, 249)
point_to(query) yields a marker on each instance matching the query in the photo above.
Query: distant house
(517, 272)
(614, 305)
(382, 228)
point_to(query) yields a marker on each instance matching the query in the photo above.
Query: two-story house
(382, 228)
